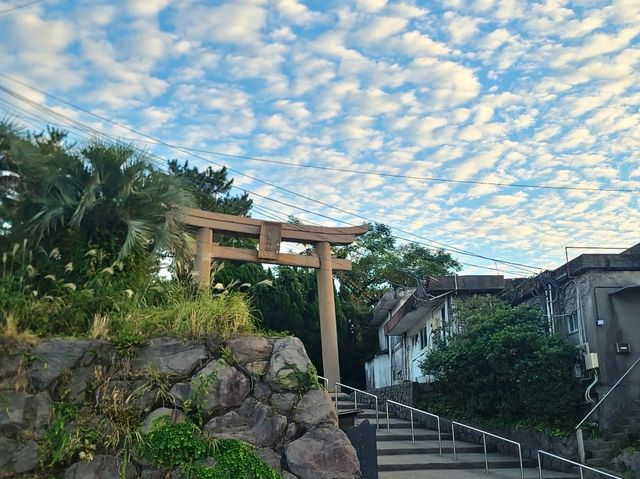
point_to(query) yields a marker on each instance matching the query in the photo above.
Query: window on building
(572, 323)
(424, 337)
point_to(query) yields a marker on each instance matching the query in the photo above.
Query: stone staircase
(600, 451)
(399, 458)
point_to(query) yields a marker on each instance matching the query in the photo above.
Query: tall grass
(44, 294)
(188, 317)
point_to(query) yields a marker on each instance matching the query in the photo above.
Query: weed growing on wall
(296, 379)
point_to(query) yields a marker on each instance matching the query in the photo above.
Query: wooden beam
(305, 261)
(290, 232)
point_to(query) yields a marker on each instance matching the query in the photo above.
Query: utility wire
(18, 7)
(161, 164)
(331, 168)
(412, 177)
(443, 246)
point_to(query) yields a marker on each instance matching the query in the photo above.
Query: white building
(411, 320)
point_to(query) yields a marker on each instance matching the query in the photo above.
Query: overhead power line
(18, 7)
(434, 243)
(332, 168)
(414, 177)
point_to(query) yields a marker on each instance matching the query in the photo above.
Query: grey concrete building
(594, 301)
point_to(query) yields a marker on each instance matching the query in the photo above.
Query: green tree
(504, 367)
(211, 189)
(104, 194)
(379, 262)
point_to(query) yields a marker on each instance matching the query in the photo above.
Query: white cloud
(380, 29)
(237, 23)
(146, 8)
(296, 12)
(461, 28)
(371, 5)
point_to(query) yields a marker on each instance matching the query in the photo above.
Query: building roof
(628, 260)
(407, 306)
(469, 284)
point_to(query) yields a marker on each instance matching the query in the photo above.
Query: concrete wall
(620, 315)
(377, 372)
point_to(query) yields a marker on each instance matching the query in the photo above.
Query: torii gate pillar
(328, 328)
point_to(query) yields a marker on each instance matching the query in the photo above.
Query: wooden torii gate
(270, 235)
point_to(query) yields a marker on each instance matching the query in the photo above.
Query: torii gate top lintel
(297, 233)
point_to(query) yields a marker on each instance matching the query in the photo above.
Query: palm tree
(105, 194)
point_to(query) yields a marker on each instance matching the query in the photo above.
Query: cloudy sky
(388, 97)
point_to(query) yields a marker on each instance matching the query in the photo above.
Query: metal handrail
(484, 444)
(355, 399)
(579, 436)
(608, 392)
(581, 466)
(411, 410)
(325, 381)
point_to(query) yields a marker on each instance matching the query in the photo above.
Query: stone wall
(409, 393)
(254, 389)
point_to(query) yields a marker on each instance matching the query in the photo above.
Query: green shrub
(504, 368)
(183, 446)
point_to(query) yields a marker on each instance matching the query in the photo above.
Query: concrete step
(506, 473)
(412, 462)
(341, 396)
(404, 434)
(600, 453)
(395, 451)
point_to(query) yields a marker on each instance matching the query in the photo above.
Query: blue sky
(503, 91)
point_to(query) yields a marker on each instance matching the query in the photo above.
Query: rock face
(170, 355)
(21, 411)
(16, 457)
(628, 460)
(53, 358)
(259, 393)
(314, 408)
(323, 453)
(223, 385)
(247, 349)
(289, 357)
(101, 467)
(253, 422)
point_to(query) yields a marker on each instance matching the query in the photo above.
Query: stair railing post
(580, 440)
(486, 458)
(335, 387)
(386, 404)
(355, 399)
(540, 465)
(439, 436)
(521, 465)
(377, 415)
(453, 439)
(581, 473)
(413, 437)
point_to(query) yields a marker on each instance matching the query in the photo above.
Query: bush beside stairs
(399, 458)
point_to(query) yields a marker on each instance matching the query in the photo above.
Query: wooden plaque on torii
(270, 234)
